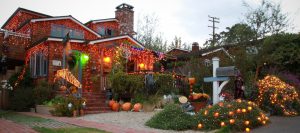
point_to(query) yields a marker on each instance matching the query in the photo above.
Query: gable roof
(185, 51)
(102, 20)
(66, 17)
(25, 10)
(116, 38)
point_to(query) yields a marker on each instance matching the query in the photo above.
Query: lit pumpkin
(137, 107)
(111, 102)
(126, 106)
(115, 106)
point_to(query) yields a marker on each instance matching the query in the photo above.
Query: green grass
(68, 130)
(19, 118)
(27, 120)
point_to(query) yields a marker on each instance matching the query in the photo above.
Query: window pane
(37, 65)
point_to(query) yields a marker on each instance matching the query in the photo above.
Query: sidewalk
(10, 127)
(90, 124)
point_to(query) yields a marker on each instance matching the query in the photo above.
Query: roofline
(66, 17)
(177, 49)
(216, 50)
(102, 20)
(115, 38)
(61, 39)
(41, 14)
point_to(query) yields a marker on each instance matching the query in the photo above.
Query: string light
(200, 126)
(283, 93)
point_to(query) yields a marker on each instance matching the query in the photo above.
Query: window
(105, 31)
(38, 65)
(61, 31)
(207, 62)
(101, 31)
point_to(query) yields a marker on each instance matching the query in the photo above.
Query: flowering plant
(199, 97)
(6, 85)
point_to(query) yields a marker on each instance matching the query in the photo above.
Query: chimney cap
(195, 44)
(124, 6)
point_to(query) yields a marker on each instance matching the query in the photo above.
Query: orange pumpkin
(137, 107)
(111, 102)
(126, 106)
(115, 106)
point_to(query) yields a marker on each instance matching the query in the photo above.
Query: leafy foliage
(278, 97)
(238, 112)
(60, 105)
(22, 99)
(42, 92)
(172, 118)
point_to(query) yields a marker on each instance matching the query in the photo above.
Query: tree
(147, 34)
(267, 18)
(238, 33)
(177, 43)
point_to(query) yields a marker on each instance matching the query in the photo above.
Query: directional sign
(212, 79)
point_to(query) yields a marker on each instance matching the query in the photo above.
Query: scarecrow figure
(239, 87)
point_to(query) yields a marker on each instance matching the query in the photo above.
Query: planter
(81, 112)
(198, 105)
(148, 107)
(44, 109)
(75, 113)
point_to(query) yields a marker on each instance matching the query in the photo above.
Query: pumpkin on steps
(126, 106)
(115, 106)
(111, 102)
(137, 107)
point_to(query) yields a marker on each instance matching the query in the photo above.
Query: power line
(213, 20)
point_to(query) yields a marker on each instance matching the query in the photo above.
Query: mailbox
(226, 71)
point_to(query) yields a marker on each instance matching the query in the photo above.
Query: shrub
(278, 97)
(233, 114)
(42, 92)
(60, 105)
(172, 118)
(21, 99)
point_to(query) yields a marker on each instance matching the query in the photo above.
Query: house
(38, 41)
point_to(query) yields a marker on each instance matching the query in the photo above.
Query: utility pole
(213, 20)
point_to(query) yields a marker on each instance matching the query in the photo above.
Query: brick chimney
(195, 47)
(125, 16)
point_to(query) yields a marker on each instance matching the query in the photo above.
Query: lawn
(28, 120)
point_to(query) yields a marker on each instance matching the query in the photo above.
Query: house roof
(102, 20)
(66, 17)
(25, 10)
(116, 38)
(186, 51)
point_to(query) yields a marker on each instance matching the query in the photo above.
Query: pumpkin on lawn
(126, 106)
(111, 102)
(115, 106)
(137, 107)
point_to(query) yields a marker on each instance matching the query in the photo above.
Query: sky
(187, 19)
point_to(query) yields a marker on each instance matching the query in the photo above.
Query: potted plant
(199, 100)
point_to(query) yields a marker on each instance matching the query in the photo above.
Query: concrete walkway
(83, 123)
(7, 126)
(281, 125)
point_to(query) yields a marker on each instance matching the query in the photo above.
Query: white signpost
(216, 80)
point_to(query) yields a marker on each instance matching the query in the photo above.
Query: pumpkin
(126, 106)
(115, 106)
(137, 107)
(111, 102)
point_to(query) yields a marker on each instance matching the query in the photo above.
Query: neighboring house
(182, 64)
(36, 40)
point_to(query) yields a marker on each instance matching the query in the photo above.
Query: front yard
(43, 125)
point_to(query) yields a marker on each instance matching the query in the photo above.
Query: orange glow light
(200, 125)
(107, 59)
(231, 121)
(142, 65)
(222, 124)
